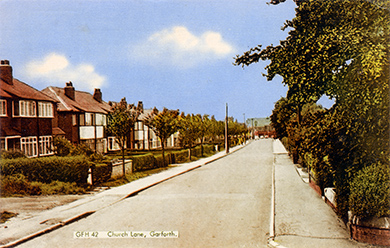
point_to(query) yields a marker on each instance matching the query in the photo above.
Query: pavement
(299, 216)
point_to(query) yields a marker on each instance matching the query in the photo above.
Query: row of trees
(192, 128)
(339, 49)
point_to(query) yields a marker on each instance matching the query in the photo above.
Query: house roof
(84, 101)
(258, 122)
(18, 89)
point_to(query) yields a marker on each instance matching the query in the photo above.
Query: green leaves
(341, 49)
(164, 123)
(121, 121)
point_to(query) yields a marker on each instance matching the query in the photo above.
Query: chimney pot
(69, 90)
(6, 72)
(97, 95)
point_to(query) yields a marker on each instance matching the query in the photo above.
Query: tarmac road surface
(222, 204)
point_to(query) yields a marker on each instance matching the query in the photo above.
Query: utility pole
(245, 132)
(226, 130)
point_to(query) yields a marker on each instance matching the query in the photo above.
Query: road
(222, 204)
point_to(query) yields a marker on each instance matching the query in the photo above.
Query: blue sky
(167, 53)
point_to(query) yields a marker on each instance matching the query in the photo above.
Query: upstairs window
(89, 119)
(3, 107)
(45, 109)
(27, 108)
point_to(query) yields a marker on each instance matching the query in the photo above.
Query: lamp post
(226, 130)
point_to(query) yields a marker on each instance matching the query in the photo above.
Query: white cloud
(179, 47)
(56, 68)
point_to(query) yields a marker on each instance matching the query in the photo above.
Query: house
(26, 116)
(81, 115)
(145, 139)
(142, 137)
(262, 127)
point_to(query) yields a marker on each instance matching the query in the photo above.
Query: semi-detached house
(26, 116)
(81, 115)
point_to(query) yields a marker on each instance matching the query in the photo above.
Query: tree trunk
(123, 162)
(163, 151)
(201, 147)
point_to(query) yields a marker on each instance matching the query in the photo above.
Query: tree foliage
(163, 124)
(120, 124)
(339, 49)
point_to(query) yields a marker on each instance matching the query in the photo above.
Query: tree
(189, 130)
(339, 49)
(120, 123)
(163, 124)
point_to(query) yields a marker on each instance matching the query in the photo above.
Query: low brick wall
(371, 235)
(117, 168)
(375, 231)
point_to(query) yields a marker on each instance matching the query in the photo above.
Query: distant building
(26, 116)
(261, 127)
(82, 116)
(142, 137)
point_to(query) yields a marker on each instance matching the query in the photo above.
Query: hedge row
(148, 161)
(48, 169)
(101, 172)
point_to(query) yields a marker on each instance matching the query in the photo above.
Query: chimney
(97, 95)
(69, 90)
(140, 106)
(6, 72)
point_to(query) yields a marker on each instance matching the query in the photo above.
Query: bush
(17, 185)
(62, 146)
(12, 154)
(82, 149)
(58, 188)
(48, 169)
(180, 156)
(143, 162)
(370, 192)
(101, 172)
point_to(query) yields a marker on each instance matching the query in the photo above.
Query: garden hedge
(101, 172)
(370, 192)
(48, 169)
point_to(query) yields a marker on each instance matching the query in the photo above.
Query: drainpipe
(37, 118)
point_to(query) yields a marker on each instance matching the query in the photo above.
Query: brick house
(141, 137)
(26, 116)
(81, 115)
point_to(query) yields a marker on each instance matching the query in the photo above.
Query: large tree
(163, 124)
(338, 48)
(120, 123)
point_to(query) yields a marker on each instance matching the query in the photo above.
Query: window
(112, 144)
(74, 119)
(29, 146)
(45, 145)
(3, 107)
(89, 119)
(100, 120)
(82, 119)
(45, 109)
(27, 108)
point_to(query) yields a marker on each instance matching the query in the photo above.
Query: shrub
(101, 172)
(82, 149)
(58, 188)
(17, 185)
(47, 169)
(143, 162)
(370, 192)
(12, 154)
(180, 156)
(62, 146)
